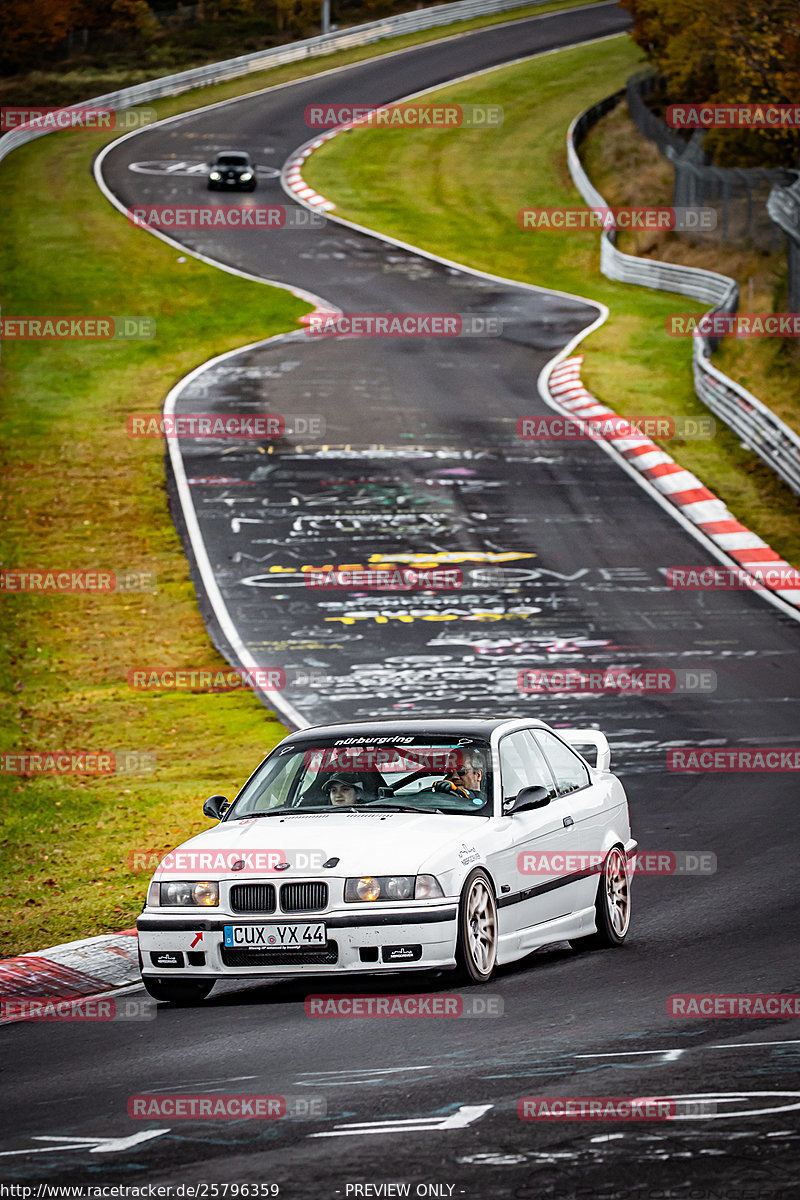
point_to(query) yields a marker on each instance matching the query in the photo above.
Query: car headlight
(391, 887)
(246, 175)
(186, 893)
(215, 175)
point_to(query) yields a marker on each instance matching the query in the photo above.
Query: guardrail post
(783, 206)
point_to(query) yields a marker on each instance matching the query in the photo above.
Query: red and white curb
(293, 169)
(293, 174)
(72, 970)
(293, 179)
(677, 485)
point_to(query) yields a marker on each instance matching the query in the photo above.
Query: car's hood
(374, 843)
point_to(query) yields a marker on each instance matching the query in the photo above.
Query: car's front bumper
(179, 946)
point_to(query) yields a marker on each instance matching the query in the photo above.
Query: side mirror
(529, 797)
(215, 806)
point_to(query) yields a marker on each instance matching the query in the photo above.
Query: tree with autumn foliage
(727, 52)
(133, 17)
(31, 28)
(214, 9)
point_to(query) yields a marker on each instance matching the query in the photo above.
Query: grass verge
(457, 194)
(80, 494)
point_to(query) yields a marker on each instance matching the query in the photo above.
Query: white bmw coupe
(388, 846)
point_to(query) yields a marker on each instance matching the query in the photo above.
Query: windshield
(420, 774)
(232, 160)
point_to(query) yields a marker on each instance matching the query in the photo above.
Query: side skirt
(522, 941)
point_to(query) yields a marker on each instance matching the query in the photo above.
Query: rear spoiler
(590, 737)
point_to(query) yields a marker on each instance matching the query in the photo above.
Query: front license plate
(275, 937)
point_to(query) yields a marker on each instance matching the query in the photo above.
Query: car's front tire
(476, 947)
(612, 906)
(177, 991)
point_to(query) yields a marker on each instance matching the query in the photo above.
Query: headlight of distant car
(215, 175)
(391, 887)
(184, 892)
(245, 175)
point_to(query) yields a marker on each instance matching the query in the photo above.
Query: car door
(531, 898)
(583, 804)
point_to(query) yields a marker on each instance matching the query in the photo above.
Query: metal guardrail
(738, 195)
(755, 424)
(783, 206)
(232, 68)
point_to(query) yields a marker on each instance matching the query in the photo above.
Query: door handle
(567, 822)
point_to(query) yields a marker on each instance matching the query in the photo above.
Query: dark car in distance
(232, 169)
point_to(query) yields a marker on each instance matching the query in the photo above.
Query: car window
(402, 773)
(571, 774)
(522, 764)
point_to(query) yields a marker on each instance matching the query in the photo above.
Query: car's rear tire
(476, 947)
(177, 991)
(612, 906)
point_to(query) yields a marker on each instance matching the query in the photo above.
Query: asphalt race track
(563, 557)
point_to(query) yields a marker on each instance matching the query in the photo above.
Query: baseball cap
(347, 780)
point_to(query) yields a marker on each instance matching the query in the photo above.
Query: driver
(465, 780)
(343, 788)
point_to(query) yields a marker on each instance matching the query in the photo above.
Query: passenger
(344, 788)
